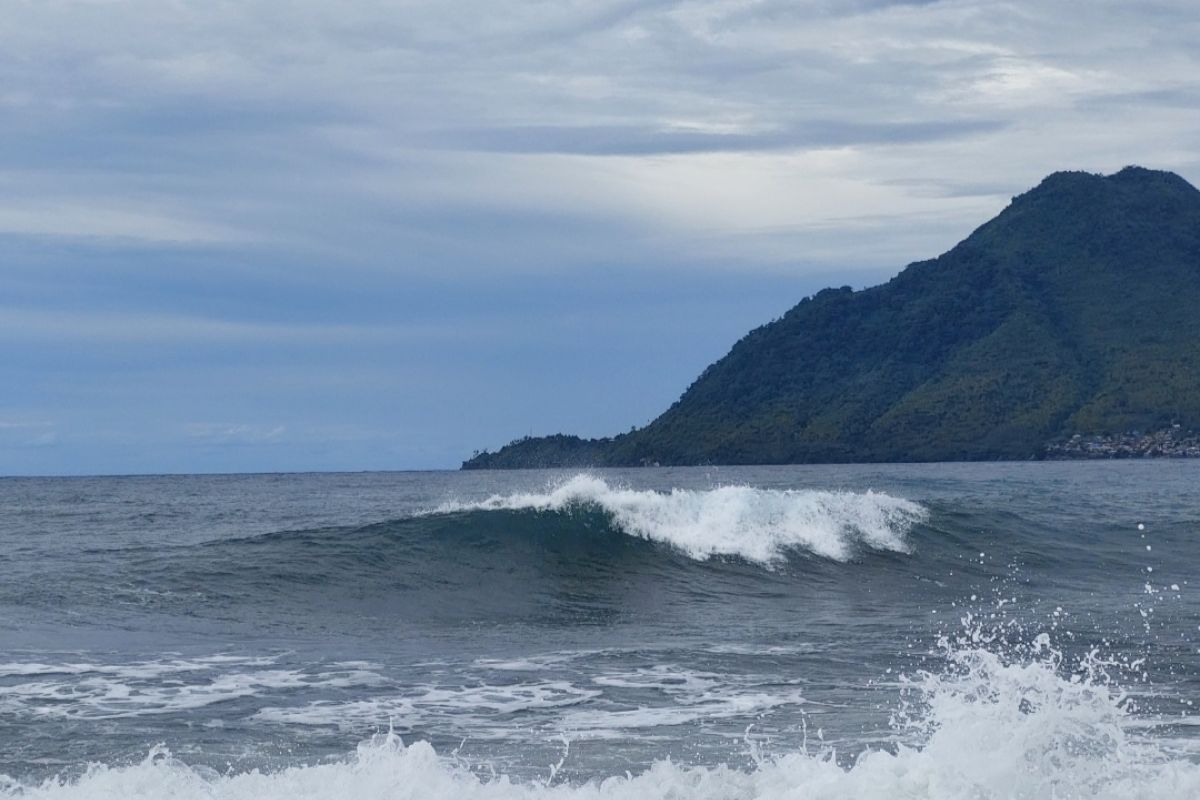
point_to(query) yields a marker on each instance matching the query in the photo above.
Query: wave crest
(759, 525)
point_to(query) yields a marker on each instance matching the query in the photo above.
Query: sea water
(909, 631)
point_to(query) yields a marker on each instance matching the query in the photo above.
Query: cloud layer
(413, 201)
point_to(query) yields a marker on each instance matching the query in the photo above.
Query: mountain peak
(1088, 211)
(1073, 312)
(1129, 177)
(1164, 180)
(1134, 172)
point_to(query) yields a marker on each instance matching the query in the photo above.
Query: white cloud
(182, 183)
(317, 127)
(234, 432)
(104, 218)
(19, 325)
(27, 433)
(9, 425)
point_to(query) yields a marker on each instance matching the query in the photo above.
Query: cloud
(196, 197)
(47, 325)
(232, 433)
(230, 121)
(24, 434)
(104, 218)
(634, 141)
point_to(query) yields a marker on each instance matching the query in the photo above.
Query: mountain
(1076, 310)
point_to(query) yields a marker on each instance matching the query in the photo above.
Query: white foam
(804, 648)
(989, 730)
(135, 671)
(667, 678)
(756, 524)
(605, 724)
(535, 663)
(485, 711)
(114, 691)
(613, 705)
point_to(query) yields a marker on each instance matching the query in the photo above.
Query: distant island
(1066, 327)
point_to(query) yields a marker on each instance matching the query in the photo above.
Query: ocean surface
(968, 631)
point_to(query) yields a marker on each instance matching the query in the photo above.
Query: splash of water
(990, 730)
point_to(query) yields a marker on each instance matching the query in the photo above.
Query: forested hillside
(1075, 310)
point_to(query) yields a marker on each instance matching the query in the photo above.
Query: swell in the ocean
(581, 527)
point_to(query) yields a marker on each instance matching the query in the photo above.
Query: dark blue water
(527, 633)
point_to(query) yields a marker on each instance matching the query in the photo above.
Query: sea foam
(988, 730)
(759, 525)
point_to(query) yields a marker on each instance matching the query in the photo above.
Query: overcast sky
(269, 235)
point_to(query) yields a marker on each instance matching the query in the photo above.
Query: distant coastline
(571, 451)
(1172, 442)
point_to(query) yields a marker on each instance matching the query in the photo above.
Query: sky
(286, 236)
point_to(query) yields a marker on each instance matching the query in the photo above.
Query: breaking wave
(759, 525)
(984, 728)
(545, 555)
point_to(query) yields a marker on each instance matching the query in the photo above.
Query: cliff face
(1075, 310)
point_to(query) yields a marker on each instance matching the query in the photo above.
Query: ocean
(970, 631)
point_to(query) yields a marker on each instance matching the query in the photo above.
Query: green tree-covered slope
(1075, 310)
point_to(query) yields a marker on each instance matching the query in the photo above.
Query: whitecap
(759, 525)
(986, 729)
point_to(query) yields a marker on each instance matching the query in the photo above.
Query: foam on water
(756, 524)
(140, 670)
(610, 705)
(483, 710)
(989, 730)
(114, 691)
